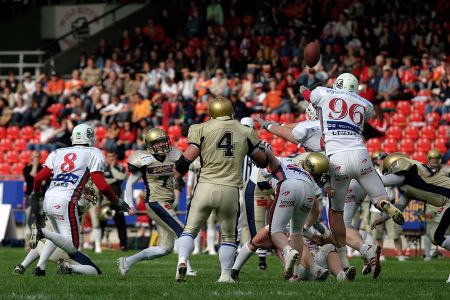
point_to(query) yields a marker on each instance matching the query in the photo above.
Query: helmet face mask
(434, 158)
(157, 141)
(311, 113)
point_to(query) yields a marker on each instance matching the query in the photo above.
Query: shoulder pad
(402, 164)
(140, 158)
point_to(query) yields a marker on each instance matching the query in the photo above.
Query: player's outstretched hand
(123, 205)
(376, 223)
(264, 124)
(302, 89)
(178, 183)
(132, 211)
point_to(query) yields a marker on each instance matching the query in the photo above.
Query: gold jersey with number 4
(157, 174)
(421, 182)
(223, 144)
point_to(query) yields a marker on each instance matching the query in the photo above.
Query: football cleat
(373, 257)
(36, 235)
(226, 278)
(322, 274)
(63, 267)
(235, 274)
(123, 266)
(262, 265)
(294, 278)
(19, 270)
(290, 260)
(366, 267)
(191, 273)
(181, 272)
(392, 211)
(350, 273)
(38, 272)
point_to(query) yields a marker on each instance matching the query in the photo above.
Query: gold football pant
(207, 197)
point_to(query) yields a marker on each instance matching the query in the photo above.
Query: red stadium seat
(440, 144)
(6, 145)
(427, 132)
(374, 145)
(291, 148)
(420, 156)
(394, 132)
(446, 117)
(390, 145)
(12, 157)
(278, 143)
(17, 168)
(20, 144)
(416, 118)
(411, 132)
(399, 119)
(443, 131)
(273, 117)
(44, 154)
(182, 143)
(25, 156)
(2, 132)
(301, 118)
(407, 146)
(27, 133)
(12, 132)
(174, 130)
(287, 118)
(423, 145)
(403, 107)
(433, 119)
(265, 135)
(2, 157)
(4, 169)
(100, 132)
(419, 107)
(387, 105)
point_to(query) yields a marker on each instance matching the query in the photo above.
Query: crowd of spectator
(164, 72)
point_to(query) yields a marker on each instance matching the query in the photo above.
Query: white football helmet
(83, 134)
(311, 113)
(346, 82)
(248, 122)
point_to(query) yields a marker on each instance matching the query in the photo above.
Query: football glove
(302, 89)
(122, 204)
(265, 124)
(178, 183)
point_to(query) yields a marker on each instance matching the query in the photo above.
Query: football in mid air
(312, 54)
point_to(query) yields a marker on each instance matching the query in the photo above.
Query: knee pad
(327, 249)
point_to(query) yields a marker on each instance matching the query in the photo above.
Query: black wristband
(182, 165)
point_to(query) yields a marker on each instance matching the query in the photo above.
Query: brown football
(312, 54)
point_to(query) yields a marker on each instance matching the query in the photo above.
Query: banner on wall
(71, 17)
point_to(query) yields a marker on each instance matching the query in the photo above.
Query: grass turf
(413, 279)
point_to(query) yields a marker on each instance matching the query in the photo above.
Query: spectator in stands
(91, 74)
(407, 73)
(140, 108)
(425, 72)
(194, 24)
(186, 87)
(212, 61)
(219, 84)
(19, 112)
(112, 134)
(377, 125)
(35, 113)
(8, 95)
(214, 13)
(5, 112)
(126, 139)
(155, 32)
(438, 98)
(273, 100)
(130, 85)
(12, 82)
(74, 85)
(389, 85)
(40, 96)
(239, 107)
(28, 83)
(113, 84)
(55, 87)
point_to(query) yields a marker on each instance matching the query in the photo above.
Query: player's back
(71, 167)
(308, 134)
(343, 116)
(223, 145)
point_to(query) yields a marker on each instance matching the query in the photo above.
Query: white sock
(262, 252)
(242, 258)
(364, 248)
(146, 254)
(227, 253)
(340, 276)
(48, 249)
(198, 243)
(63, 242)
(427, 242)
(342, 251)
(314, 268)
(185, 247)
(97, 236)
(84, 269)
(188, 266)
(446, 243)
(30, 258)
(210, 237)
(297, 269)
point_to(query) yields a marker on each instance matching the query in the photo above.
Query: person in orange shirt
(74, 84)
(202, 85)
(273, 99)
(55, 87)
(141, 108)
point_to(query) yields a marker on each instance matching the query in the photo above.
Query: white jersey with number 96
(71, 168)
(343, 115)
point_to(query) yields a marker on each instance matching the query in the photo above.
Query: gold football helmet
(434, 153)
(220, 107)
(391, 159)
(157, 141)
(317, 165)
(106, 212)
(434, 157)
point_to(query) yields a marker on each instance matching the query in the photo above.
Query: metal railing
(19, 63)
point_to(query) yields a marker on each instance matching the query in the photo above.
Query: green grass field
(413, 279)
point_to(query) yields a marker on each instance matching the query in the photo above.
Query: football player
(418, 181)
(70, 169)
(342, 115)
(222, 143)
(155, 167)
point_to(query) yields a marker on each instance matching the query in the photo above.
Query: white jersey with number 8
(71, 168)
(343, 115)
